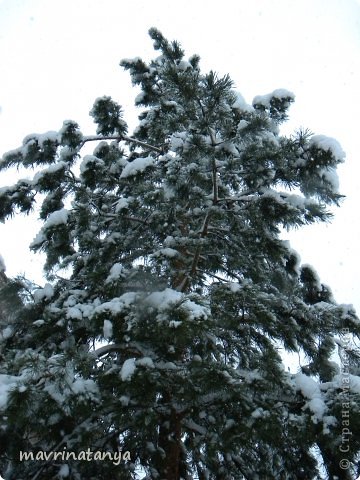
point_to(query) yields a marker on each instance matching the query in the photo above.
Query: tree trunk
(170, 443)
(332, 464)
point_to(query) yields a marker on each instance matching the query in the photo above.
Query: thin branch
(214, 170)
(136, 219)
(196, 258)
(215, 183)
(96, 138)
(111, 216)
(217, 277)
(115, 347)
(204, 229)
(230, 274)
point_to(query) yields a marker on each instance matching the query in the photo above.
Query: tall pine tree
(171, 292)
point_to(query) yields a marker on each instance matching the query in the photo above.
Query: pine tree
(171, 292)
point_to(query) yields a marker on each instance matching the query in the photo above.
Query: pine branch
(136, 219)
(115, 347)
(212, 275)
(184, 284)
(214, 170)
(111, 216)
(56, 448)
(242, 198)
(205, 226)
(97, 138)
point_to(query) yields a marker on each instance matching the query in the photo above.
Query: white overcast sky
(57, 56)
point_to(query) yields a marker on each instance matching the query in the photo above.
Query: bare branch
(115, 347)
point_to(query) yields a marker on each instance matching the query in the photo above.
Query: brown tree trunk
(170, 443)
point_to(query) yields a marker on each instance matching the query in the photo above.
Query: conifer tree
(171, 292)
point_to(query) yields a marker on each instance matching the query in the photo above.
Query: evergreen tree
(171, 292)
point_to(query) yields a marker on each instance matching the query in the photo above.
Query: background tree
(171, 291)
